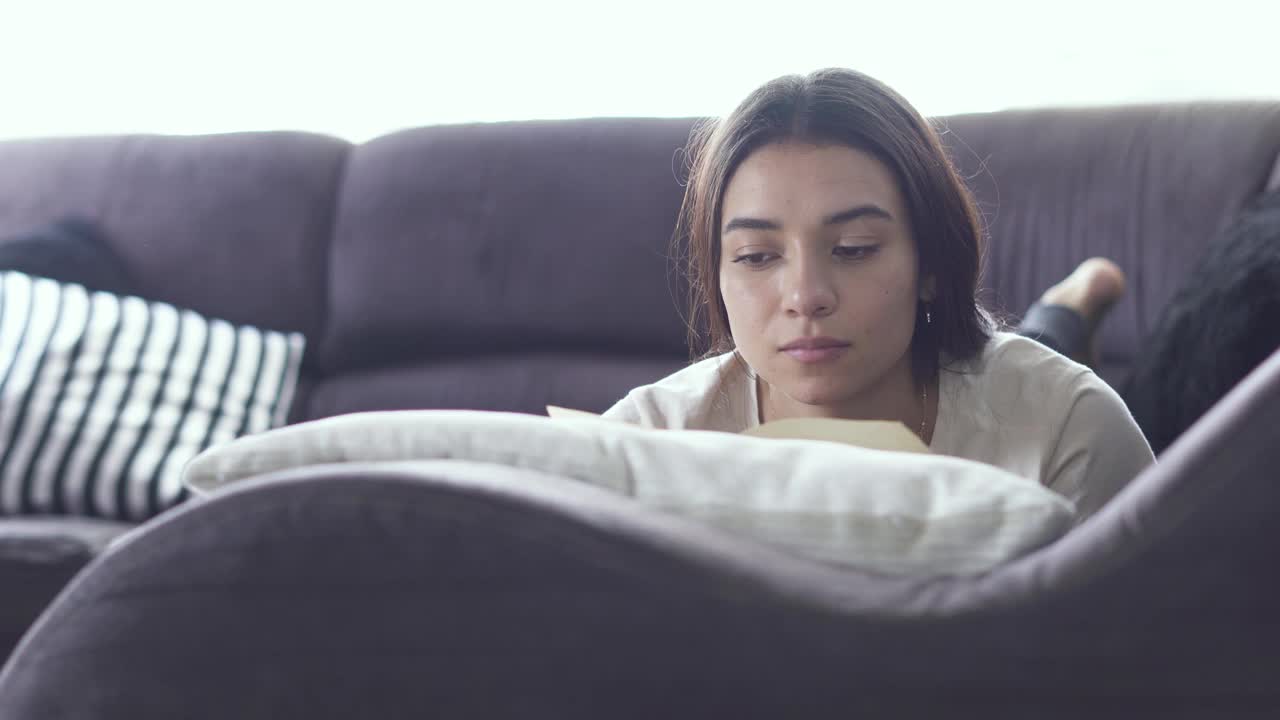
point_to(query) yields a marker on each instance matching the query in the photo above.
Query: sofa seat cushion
(38, 555)
(52, 538)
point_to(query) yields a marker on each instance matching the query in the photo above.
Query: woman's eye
(855, 252)
(753, 259)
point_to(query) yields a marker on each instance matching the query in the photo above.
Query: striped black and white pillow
(103, 398)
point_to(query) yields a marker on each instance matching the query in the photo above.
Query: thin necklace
(924, 409)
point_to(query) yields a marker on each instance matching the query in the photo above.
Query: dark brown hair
(842, 107)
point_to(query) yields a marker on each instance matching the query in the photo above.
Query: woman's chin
(818, 395)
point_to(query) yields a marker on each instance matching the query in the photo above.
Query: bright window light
(360, 69)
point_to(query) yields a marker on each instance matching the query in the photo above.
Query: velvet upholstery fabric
(505, 238)
(512, 265)
(38, 555)
(232, 226)
(448, 588)
(1147, 186)
(517, 382)
(71, 250)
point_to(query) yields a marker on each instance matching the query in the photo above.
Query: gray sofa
(511, 266)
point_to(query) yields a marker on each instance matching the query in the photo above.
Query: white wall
(357, 69)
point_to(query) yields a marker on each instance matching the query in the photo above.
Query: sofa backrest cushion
(465, 241)
(232, 226)
(514, 381)
(485, 266)
(1148, 186)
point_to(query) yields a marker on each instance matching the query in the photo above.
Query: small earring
(928, 316)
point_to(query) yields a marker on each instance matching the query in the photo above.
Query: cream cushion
(893, 512)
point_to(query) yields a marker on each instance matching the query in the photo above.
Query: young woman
(833, 253)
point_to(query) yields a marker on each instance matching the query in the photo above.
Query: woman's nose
(809, 292)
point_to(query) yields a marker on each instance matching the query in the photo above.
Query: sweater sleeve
(1099, 450)
(625, 410)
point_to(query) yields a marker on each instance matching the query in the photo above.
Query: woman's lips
(815, 350)
(816, 355)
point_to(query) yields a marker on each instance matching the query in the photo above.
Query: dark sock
(1058, 327)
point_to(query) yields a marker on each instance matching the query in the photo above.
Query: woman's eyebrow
(859, 211)
(868, 210)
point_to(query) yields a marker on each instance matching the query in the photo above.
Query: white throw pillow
(887, 511)
(104, 398)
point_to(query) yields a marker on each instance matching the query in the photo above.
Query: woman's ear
(928, 288)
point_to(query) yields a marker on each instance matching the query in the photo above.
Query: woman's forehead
(794, 179)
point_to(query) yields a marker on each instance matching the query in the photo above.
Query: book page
(873, 434)
(560, 412)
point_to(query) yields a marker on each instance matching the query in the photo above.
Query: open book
(874, 434)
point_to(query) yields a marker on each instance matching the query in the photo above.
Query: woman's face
(819, 275)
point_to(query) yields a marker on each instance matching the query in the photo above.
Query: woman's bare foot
(1091, 290)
